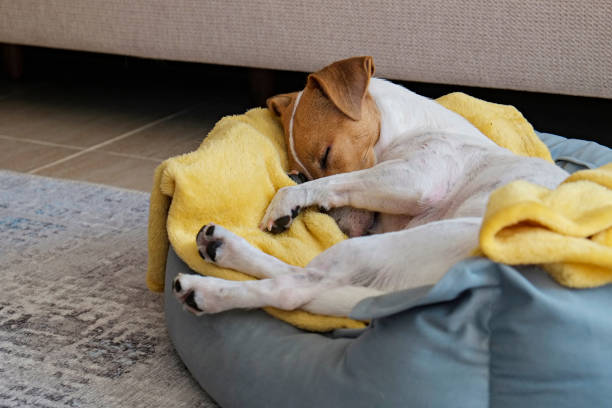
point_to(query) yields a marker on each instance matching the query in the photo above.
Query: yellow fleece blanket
(567, 230)
(233, 175)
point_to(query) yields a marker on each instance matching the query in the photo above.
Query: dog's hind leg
(338, 278)
(403, 259)
(377, 264)
(201, 294)
(288, 286)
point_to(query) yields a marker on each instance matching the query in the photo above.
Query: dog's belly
(389, 223)
(354, 222)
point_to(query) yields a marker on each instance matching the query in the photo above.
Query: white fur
(433, 175)
(291, 141)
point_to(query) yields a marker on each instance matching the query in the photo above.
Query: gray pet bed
(486, 335)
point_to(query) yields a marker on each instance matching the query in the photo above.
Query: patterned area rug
(78, 328)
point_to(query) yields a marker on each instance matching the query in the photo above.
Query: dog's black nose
(177, 286)
(299, 178)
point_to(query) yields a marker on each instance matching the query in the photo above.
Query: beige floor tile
(106, 168)
(24, 156)
(86, 115)
(181, 134)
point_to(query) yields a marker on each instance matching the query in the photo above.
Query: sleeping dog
(367, 146)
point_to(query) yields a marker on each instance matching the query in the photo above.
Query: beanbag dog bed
(487, 334)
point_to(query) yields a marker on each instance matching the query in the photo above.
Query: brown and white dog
(371, 145)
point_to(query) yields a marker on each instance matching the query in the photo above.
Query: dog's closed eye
(323, 162)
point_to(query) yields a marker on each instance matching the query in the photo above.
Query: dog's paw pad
(186, 294)
(208, 242)
(212, 247)
(191, 303)
(282, 223)
(177, 285)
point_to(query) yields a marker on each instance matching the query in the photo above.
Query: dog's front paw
(283, 209)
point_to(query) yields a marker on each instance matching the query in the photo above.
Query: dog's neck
(405, 114)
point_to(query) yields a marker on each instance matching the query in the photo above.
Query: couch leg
(262, 84)
(12, 60)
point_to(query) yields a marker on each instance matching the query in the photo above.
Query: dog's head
(331, 127)
(333, 124)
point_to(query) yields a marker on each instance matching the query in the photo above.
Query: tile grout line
(112, 140)
(72, 147)
(134, 156)
(40, 142)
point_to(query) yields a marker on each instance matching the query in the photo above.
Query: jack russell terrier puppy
(374, 146)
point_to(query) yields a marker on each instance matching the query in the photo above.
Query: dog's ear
(279, 103)
(345, 83)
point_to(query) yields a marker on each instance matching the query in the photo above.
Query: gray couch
(545, 46)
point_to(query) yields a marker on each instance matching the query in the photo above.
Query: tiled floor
(105, 131)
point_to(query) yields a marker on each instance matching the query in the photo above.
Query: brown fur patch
(321, 120)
